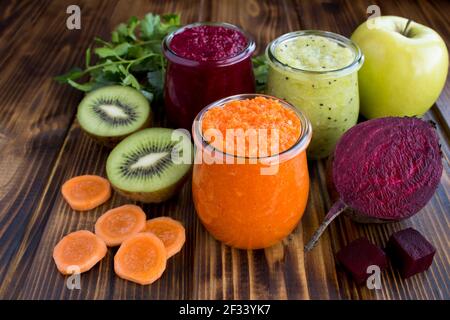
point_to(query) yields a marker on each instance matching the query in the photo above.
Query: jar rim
(300, 145)
(244, 53)
(351, 67)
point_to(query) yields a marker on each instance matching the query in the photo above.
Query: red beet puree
(206, 43)
(206, 62)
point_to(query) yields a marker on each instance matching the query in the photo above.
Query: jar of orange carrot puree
(250, 180)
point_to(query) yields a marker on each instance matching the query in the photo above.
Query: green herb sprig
(133, 57)
(260, 69)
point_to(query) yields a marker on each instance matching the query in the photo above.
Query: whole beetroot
(383, 170)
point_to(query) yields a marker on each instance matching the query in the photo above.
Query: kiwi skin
(157, 196)
(111, 142)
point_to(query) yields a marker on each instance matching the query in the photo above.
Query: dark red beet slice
(358, 255)
(384, 170)
(410, 252)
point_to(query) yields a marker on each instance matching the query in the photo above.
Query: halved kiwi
(150, 165)
(111, 113)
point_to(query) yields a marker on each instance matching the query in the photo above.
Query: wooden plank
(34, 216)
(36, 115)
(39, 279)
(257, 274)
(343, 17)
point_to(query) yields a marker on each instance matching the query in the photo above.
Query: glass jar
(328, 97)
(237, 201)
(190, 85)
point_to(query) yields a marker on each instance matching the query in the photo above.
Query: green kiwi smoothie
(317, 72)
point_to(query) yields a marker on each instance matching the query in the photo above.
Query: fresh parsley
(260, 69)
(133, 57)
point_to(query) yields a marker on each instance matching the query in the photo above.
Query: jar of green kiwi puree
(316, 71)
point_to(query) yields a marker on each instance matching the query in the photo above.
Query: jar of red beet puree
(206, 62)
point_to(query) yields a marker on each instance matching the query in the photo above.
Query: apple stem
(405, 31)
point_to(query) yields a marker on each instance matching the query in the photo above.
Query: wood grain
(41, 146)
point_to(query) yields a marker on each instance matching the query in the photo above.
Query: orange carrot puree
(236, 203)
(256, 113)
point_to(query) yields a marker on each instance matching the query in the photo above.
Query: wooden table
(41, 146)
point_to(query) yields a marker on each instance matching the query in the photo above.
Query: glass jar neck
(174, 57)
(353, 66)
(299, 146)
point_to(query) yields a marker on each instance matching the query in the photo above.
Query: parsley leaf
(260, 69)
(133, 57)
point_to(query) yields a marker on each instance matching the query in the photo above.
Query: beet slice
(358, 255)
(384, 170)
(410, 252)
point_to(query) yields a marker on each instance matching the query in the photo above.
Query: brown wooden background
(41, 146)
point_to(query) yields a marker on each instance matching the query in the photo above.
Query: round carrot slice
(141, 258)
(170, 231)
(86, 192)
(117, 224)
(78, 251)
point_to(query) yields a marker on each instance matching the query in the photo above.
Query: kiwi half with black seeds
(150, 165)
(111, 113)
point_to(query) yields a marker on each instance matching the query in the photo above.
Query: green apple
(405, 67)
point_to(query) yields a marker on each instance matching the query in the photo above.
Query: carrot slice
(170, 231)
(141, 258)
(117, 224)
(86, 192)
(78, 251)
